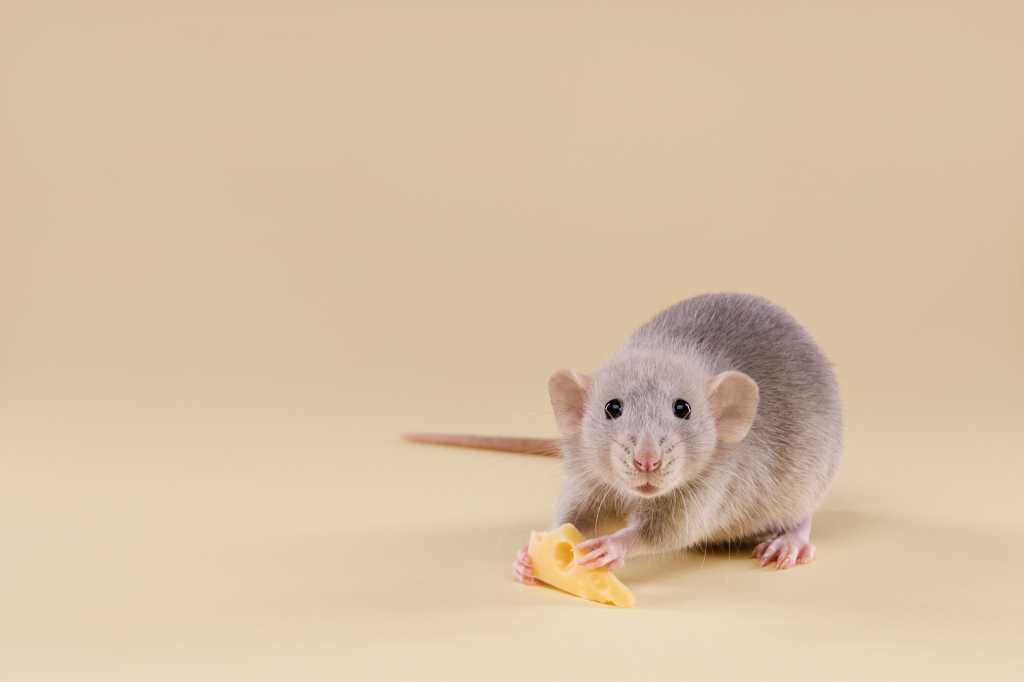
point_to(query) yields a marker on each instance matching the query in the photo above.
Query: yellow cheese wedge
(551, 558)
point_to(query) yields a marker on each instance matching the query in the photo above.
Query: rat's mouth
(647, 488)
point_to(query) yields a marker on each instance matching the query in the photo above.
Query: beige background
(244, 244)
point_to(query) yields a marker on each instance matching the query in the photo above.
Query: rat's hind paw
(788, 549)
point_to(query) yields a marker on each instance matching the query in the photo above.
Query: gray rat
(718, 421)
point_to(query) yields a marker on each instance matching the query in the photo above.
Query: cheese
(552, 557)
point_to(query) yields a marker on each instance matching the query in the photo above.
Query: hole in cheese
(563, 555)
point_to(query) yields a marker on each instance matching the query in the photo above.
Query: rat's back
(750, 334)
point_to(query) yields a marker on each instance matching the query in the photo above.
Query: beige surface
(244, 244)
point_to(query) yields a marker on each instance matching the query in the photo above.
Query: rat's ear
(733, 397)
(568, 390)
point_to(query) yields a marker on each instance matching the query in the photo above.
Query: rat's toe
(771, 552)
(523, 574)
(787, 557)
(522, 568)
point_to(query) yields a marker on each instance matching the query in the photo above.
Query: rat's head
(648, 423)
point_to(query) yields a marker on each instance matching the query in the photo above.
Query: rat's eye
(681, 409)
(613, 409)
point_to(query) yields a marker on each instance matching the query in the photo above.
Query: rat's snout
(646, 458)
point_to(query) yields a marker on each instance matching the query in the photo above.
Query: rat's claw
(771, 551)
(787, 557)
(608, 550)
(525, 578)
(606, 560)
(591, 559)
(522, 568)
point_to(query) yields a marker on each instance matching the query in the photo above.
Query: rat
(718, 421)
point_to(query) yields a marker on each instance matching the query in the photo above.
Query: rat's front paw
(521, 567)
(608, 550)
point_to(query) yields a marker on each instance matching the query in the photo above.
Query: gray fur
(771, 481)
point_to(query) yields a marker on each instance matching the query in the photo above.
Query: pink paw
(608, 550)
(522, 568)
(785, 551)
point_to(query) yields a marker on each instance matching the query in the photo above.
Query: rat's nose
(647, 461)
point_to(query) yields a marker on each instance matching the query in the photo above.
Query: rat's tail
(528, 446)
